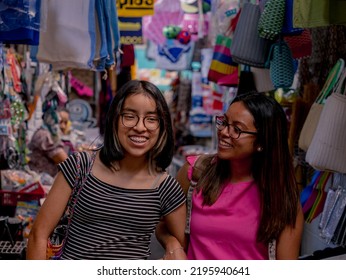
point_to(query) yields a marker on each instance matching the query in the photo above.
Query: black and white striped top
(111, 222)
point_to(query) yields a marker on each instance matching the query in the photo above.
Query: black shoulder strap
(80, 179)
(78, 185)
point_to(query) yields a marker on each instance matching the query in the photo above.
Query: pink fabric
(81, 88)
(227, 229)
(191, 160)
(166, 12)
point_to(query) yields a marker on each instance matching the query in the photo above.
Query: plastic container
(9, 199)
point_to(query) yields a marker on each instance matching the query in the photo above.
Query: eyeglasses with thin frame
(130, 120)
(233, 131)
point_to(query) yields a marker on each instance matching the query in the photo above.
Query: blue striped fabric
(222, 58)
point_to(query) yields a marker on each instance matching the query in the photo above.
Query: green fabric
(311, 13)
(316, 13)
(337, 11)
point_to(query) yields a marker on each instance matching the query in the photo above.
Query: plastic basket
(31, 192)
(12, 251)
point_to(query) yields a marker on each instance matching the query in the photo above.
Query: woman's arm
(174, 249)
(182, 177)
(288, 244)
(172, 230)
(164, 233)
(48, 217)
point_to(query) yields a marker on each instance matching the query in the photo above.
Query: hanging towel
(68, 39)
(112, 30)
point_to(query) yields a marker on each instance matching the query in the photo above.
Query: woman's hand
(173, 247)
(175, 254)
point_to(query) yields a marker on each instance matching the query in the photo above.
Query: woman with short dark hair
(126, 193)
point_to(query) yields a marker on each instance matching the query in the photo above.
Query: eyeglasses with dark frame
(233, 131)
(130, 120)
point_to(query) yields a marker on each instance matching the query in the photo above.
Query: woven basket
(281, 65)
(247, 47)
(272, 19)
(300, 45)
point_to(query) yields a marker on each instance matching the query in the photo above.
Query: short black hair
(161, 155)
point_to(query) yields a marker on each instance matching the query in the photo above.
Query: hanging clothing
(80, 34)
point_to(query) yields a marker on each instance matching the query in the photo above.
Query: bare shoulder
(182, 177)
(162, 177)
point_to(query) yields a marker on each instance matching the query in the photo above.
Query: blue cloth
(305, 194)
(20, 21)
(20, 35)
(112, 31)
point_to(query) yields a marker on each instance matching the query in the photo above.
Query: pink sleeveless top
(227, 229)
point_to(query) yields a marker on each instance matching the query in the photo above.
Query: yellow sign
(131, 40)
(130, 30)
(135, 8)
(129, 26)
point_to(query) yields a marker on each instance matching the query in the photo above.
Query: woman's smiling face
(243, 147)
(137, 141)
